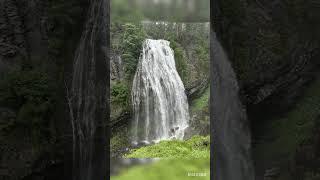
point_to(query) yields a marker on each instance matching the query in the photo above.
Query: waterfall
(231, 134)
(87, 98)
(158, 96)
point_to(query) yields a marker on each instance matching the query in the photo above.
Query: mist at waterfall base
(159, 101)
(232, 141)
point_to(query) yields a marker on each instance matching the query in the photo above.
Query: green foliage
(119, 140)
(196, 147)
(29, 93)
(199, 110)
(131, 45)
(201, 103)
(126, 40)
(120, 94)
(180, 59)
(19, 87)
(173, 169)
(202, 52)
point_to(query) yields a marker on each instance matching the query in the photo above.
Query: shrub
(131, 45)
(120, 94)
(201, 103)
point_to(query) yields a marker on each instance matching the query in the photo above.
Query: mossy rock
(195, 147)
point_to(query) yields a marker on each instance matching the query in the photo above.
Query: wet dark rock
(271, 173)
(307, 157)
(197, 88)
(22, 37)
(122, 119)
(116, 67)
(274, 47)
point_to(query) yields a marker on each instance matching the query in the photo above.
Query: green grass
(202, 102)
(168, 169)
(196, 147)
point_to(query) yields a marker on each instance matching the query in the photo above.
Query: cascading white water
(158, 96)
(87, 98)
(231, 132)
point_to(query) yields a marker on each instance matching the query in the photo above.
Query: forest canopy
(160, 10)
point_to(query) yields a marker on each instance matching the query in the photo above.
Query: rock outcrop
(274, 47)
(23, 36)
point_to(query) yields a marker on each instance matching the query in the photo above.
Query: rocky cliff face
(273, 44)
(23, 31)
(23, 36)
(32, 41)
(274, 48)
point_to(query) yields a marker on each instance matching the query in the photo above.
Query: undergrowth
(196, 147)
